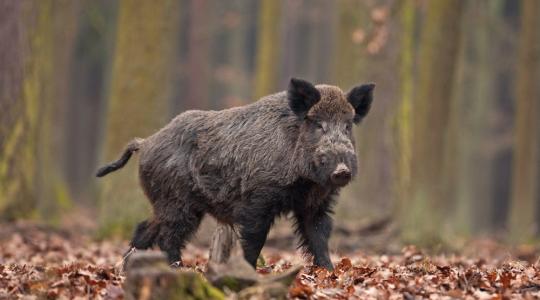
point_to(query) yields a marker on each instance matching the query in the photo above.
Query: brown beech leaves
(40, 263)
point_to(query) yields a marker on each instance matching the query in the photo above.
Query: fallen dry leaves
(413, 275)
(39, 263)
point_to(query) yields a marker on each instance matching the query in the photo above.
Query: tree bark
(423, 221)
(348, 65)
(58, 28)
(89, 67)
(267, 58)
(404, 116)
(526, 157)
(138, 102)
(198, 60)
(19, 104)
(349, 58)
(31, 161)
(475, 101)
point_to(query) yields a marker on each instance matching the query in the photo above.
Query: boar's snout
(341, 175)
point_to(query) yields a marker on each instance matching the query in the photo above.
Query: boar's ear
(360, 97)
(302, 96)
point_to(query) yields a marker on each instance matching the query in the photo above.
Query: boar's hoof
(176, 264)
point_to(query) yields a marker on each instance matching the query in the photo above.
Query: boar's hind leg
(314, 231)
(145, 235)
(173, 235)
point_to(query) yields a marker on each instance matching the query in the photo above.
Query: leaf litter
(40, 263)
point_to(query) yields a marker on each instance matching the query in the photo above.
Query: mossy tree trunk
(139, 92)
(35, 66)
(526, 157)
(423, 217)
(404, 116)
(57, 25)
(19, 105)
(267, 58)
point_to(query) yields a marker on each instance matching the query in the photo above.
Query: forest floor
(38, 262)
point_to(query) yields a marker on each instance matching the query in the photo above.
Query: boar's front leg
(253, 233)
(314, 230)
(255, 220)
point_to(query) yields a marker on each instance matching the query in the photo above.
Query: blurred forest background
(449, 151)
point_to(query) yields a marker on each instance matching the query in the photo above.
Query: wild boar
(289, 152)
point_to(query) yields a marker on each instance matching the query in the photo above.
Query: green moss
(261, 262)
(193, 286)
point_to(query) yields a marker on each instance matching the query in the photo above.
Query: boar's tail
(133, 146)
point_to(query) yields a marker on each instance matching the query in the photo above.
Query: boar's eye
(319, 126)
(348, 126)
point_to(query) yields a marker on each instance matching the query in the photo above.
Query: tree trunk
(58, 27)
(475, 102)
(404, 116)
(198, 61)
(438, 52)
(20, 75)
(321, 36)
(85, 108)
(149, 277)
(237, 85)
(139, 92)
(290, 33)
(267, 63)
(32, 164)
(348, 65)
(349, 49)
(526, 161)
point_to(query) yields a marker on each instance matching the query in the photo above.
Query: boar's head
(326, 116)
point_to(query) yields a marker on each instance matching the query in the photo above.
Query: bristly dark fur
(248, 165)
